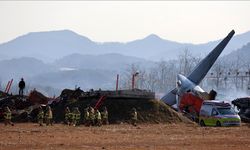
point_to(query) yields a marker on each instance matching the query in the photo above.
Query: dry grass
(124, 136)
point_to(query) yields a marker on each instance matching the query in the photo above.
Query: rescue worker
(133, 116)
(21, 86)
(86, 116)
(48, 116)
(91, 116)
(77, 116)
(7, 116)
(40, 116)
(98, 118)
(67, 116)
(104, 114)
(72, 118)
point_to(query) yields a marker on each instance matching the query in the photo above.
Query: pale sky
(103, 21)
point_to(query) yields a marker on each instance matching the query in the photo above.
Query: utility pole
(117, 82)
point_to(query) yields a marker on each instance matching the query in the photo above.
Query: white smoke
(230, 95)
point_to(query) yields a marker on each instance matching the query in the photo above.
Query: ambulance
(218, 113)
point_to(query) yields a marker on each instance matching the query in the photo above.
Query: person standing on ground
(40, 116)
(105, 115)
(91, 116)
(7, 116)
(48, 116)
(67, 116)
(86, 116)
(133, 117)
(77, 116)
(98, 118)
(21, 86)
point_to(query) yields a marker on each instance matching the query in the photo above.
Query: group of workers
(46, 116)
(91, 116)
(72, 118)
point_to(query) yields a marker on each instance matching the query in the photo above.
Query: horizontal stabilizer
(170, 98)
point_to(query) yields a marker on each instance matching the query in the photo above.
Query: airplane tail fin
(204, 66)
(201, 69)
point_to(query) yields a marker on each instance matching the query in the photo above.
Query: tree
(218, 70)
(126, 77)
(187, 61)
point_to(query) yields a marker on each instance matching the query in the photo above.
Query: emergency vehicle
(218, 113)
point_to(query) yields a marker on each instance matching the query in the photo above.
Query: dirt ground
(124, 137)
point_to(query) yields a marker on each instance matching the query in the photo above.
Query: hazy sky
(188, 21)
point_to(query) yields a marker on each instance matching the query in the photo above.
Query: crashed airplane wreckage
(188, 92)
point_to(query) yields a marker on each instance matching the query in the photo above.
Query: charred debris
(119, 104)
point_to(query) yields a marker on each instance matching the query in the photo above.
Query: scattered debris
(22, 107)
(243, 104)
(36, 97)
(118, 103)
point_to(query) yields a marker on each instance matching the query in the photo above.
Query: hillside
(87, 71)
(85, 78)
(23, 67)
(47, 46)
(110, 61)
(52, 45)
(240, 55)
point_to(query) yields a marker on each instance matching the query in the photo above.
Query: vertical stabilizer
(204, 66)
